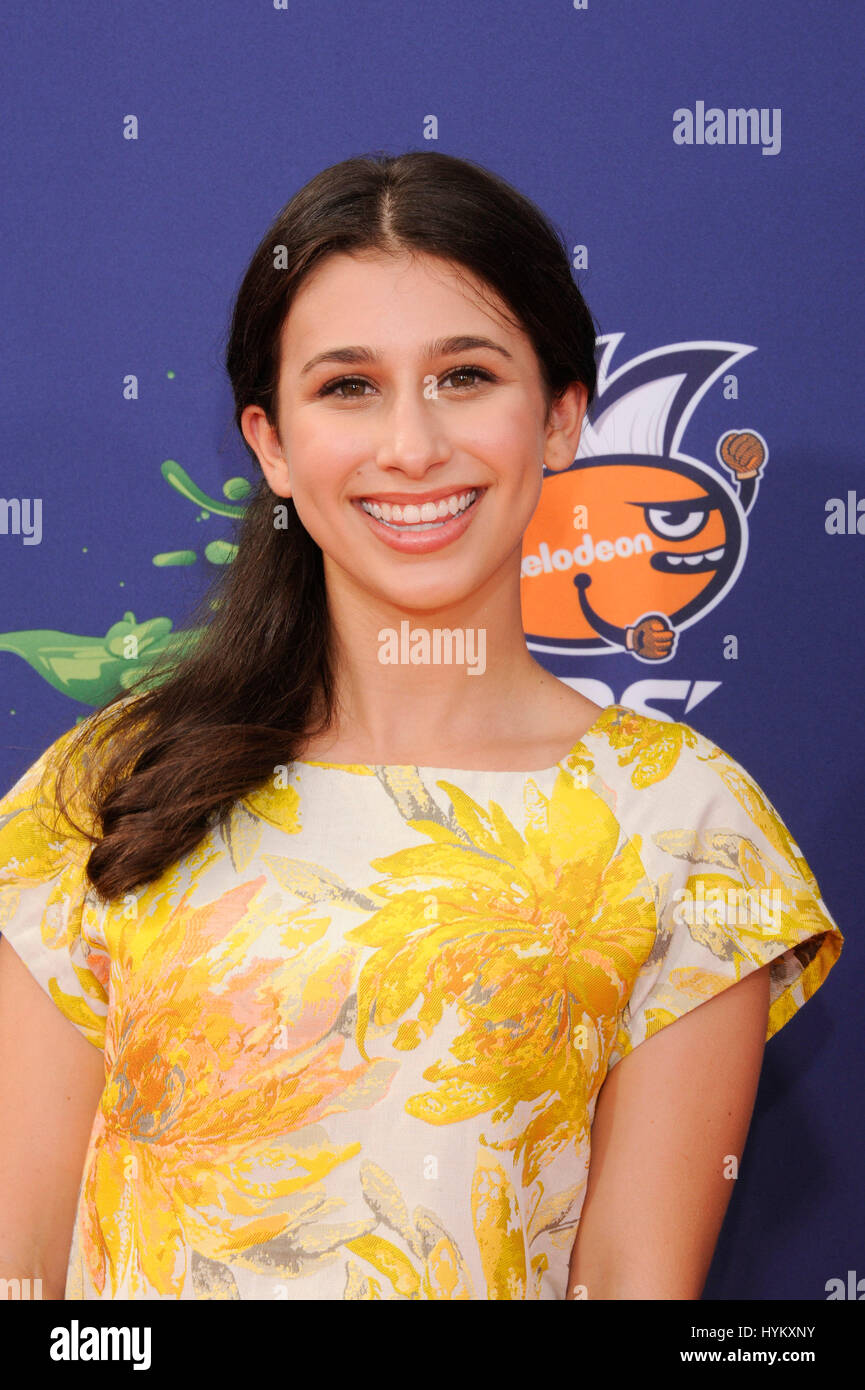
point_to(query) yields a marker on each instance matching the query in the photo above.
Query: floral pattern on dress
(532, 933)
(354, 1039)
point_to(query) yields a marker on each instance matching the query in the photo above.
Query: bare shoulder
(564, 719)
(556, 721)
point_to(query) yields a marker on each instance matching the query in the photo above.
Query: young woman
(340, 959)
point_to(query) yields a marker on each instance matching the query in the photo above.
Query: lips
(419, 537)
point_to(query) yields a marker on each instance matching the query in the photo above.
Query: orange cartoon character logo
(637, 540)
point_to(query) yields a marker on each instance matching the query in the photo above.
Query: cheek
(321, 460)
(510, 424)
(514, 445)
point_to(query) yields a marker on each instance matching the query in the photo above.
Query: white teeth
(423, 518)
(696, 559)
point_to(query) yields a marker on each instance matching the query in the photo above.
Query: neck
(417, 686)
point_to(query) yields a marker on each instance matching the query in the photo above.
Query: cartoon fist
(743, 452)
(652, 638)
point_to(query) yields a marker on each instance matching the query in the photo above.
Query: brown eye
(476, 372)
(333, 387)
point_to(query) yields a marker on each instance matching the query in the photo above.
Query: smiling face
(411, 414)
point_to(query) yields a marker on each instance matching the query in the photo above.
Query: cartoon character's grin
(670, 563)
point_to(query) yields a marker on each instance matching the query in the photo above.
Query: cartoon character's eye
(677, 521)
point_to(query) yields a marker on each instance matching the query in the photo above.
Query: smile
(698, 562)
(428, 516)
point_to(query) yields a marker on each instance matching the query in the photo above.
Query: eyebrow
(440, 347)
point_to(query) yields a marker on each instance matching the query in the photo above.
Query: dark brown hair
(200, 731)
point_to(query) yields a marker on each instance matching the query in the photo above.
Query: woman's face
(381, 407)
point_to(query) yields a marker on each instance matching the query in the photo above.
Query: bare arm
(667, 1116)
(51, 1080)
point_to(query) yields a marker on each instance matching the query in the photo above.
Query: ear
(262, 437)
(565, 426)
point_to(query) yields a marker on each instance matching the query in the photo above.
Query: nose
(412, 438)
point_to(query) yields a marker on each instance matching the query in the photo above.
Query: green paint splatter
(91, 670)
(174, 557)
(179, 479)
(220, 552)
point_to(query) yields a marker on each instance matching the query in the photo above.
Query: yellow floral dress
(354, 1040)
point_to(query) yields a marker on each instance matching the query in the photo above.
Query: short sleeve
(49, 912)
(733, 893)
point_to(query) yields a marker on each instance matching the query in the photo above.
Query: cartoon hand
(743, 452)
(651, 639)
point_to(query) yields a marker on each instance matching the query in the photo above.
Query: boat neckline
(469, 771)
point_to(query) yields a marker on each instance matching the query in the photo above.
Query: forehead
(385, 299)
